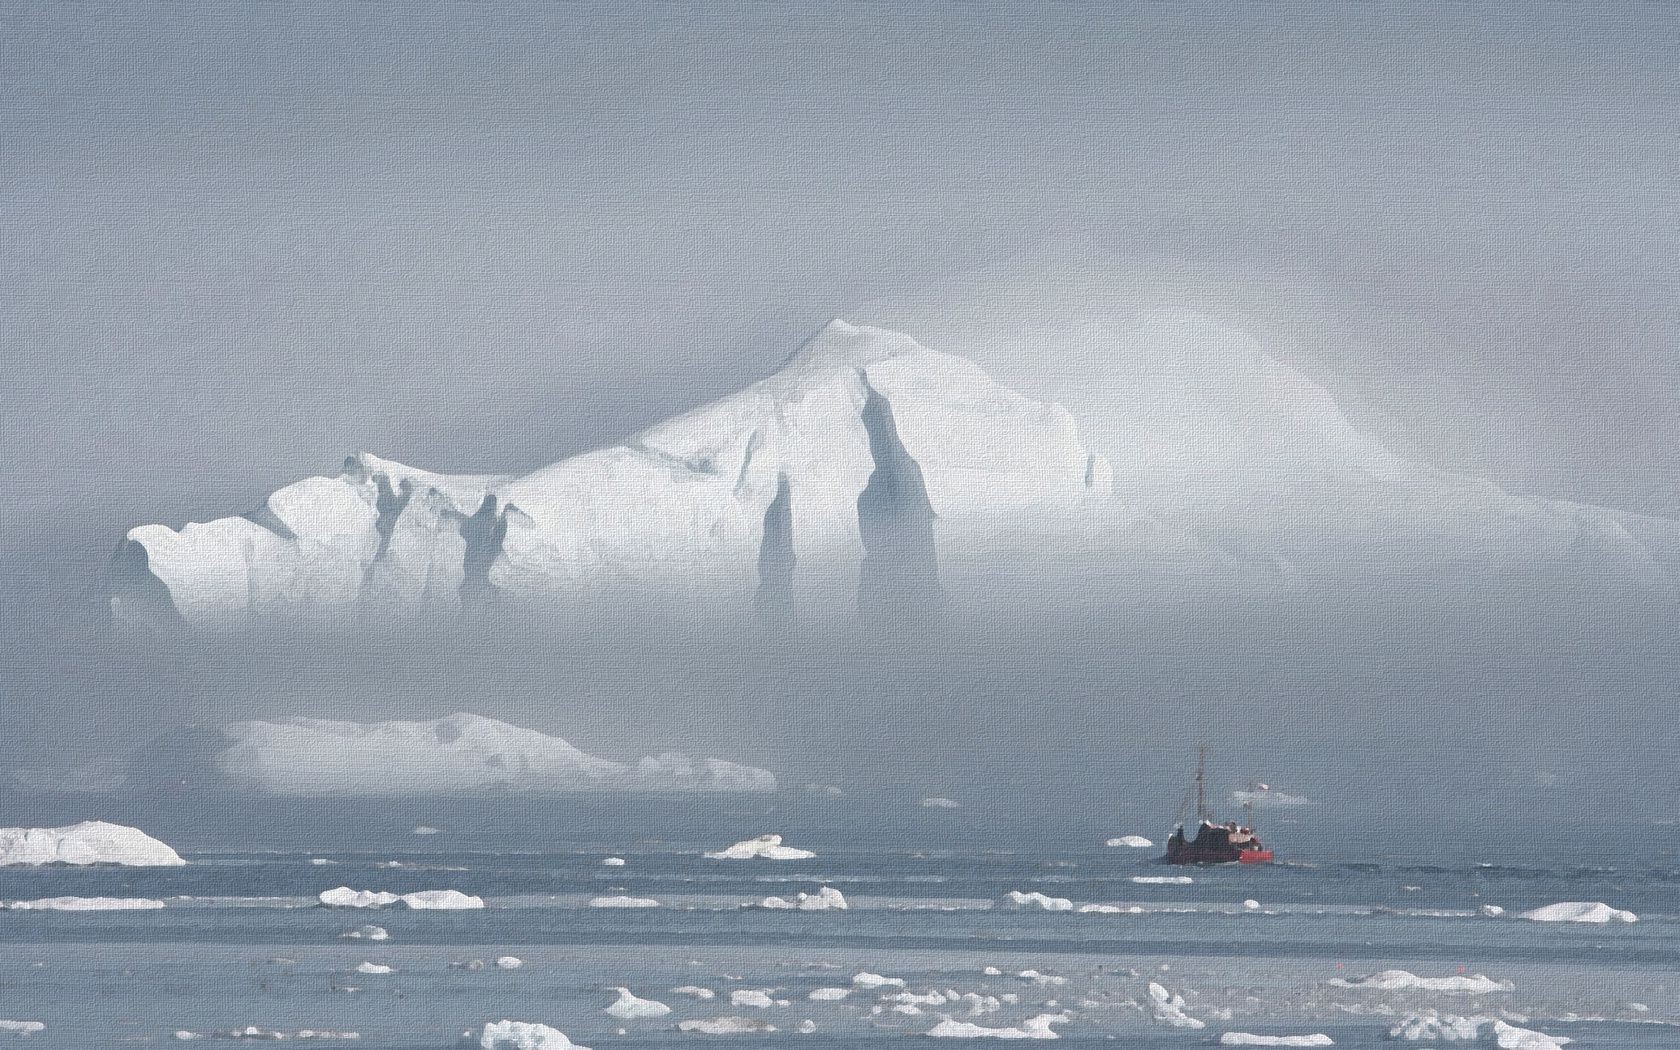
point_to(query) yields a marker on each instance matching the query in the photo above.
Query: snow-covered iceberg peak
(90, 842)
(847, 478)
(463, 753)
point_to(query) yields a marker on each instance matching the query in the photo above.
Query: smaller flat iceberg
(1016, 898)
(1580, 911)
(424, 900)
(88, 904)
(623, 902)
(764, 847)
(1404, 980)
(1038, 1027)
(524, 1035)
(1250, 1039)
(826, 899)
(1130, 841)
(629, 1007)
(90, 842)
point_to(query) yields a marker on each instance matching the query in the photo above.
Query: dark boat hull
(1215, 853)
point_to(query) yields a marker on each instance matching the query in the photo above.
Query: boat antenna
(1201, 785)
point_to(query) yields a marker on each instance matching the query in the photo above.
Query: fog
(241, 241)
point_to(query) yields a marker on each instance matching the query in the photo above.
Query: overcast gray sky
(240, 240)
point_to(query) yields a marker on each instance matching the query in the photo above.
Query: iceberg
(726, 1026)
(22, 1027)
(374, 968)
(90, 842)
(1250, 1039)
(1022, 900)
(764, 847)
(865, 979)
(463, 753)
(1402, 980)
(424, 900)
(367, 933)
(1163, 880)
(757, 998)
(509, 962)
(1580, 911)
(628, 1007)
(1510, 1037)
(1131, 841)
(826, 899)
(88, 904)
(1038, 1027)
(1432, 1026)
(1168, 1009)
(828, 995)
(523, 1035)
(623, 902)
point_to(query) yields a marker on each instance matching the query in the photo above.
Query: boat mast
(1201, 785)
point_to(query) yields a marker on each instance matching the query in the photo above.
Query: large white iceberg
(90, 842)
(523, 1035)
(764, 847)
(1402, 980)
(629, 1007)
(1580, 911)
(462, 753)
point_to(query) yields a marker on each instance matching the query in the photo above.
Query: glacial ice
(523, 1035)
(22, 1027)
(865, 979)
(460, 753)
(1168, 1009)
(764, 847)
(628, 1007)
(1508, 1036)
(757, 998)
(1250, 1039)
(1048, 903)
(612, 862)
(1580, 911)
(1038, 1027)
(88, 904)
(1399, 980)
(1163, 880)
(90, 842)
(623, 902)
(374, 968)
(424, 900)
(828, 995)
(726, 1026)
(937, 802)
(367, 933)
(509, 962)
(1432, 1026)
(1133, 841)
(826, 899)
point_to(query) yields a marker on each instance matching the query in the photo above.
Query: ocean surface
(242, 941)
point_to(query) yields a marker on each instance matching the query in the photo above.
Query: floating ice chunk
(726, 1026)
(473, 965)
(828, 995)
(1251, 905)
(866, 979)
(694, 990)
(1435, 1027)
(612, 862)
(1163, 880)
(88, 904)
(757, 998)
(992, 971)
(826, 899)
(1580, 911)
(1132, 841)
(623, 902)
(1400, 980)
(272, 1035)
(764, 847)
(425, 829)
(373, 967)
(908, 1009)
(1490, 911)
(524, 1035)
(1510, 1037)
(424, 900)
(1168, 1009)
(937, 802)
(1250, 1039)
(367, 933)
(90, 842)
(807, 1026)
(1021, 900)
(1040, 978)
(22, 1027)
(1032, 1028)
(509, 962)
(627, 1007)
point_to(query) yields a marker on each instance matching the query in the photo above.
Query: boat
(1215, 842)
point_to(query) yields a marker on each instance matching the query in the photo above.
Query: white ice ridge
(1038, 1027)
(523, 1035)
(88, 904)
(826, 899)
(764, 847)
(1399, 980)
(1048, 903)
(623, 902)
(628, 1007)
(22, 1027)
(424, 900)
(460, 753)
(1132, 841)
(1250, 1039)
(90, 842)
(1580, 911)
(726, 1026)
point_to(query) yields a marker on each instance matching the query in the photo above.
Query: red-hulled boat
(1216, 843)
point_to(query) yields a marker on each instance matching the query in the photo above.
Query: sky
(239, 241)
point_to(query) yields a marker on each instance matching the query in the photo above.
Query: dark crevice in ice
(900, 571)
(137, 595)
(776, 557)
(483, 534)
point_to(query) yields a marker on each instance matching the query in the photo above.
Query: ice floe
(88, 904)
(1168, 1009)
(1250, 1039)
(424, 900)
(623, 902)
(524, 1035)
(509, 962)
(726, 1026)
(628, 1007)
(1037, 1027)
(937, 802)
(374, 968)
(1580, 911)
(425, 829)
(1132, 841)
(1432, 1026)
(764, 847)
(1508, 1036)
(1048, 903)
(826, 899)
(253, 1032)
(757, 998)
(367, 933)
(1403, 980)
(1163, 880)
(90, 842)
(865, 979)
(22, 1027)
(612, 862)
(828, 995)
(694, 991)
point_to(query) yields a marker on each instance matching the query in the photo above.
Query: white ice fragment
(992, 971)
(612, 862)
(1132, 841)
(1041, 979)
(425, 829)
(1250, 1039)
(1037, 1027)
(865, 979)
(509, 962)
(628, 1007)
(726, 1026)
(764, 847)
(373, 967)
(1432, 1026)
(1580, 911)
(1490, 911)
(1510, 1037)
(807, 1026)
(757, 998)
(623, 902)
(826, 899)
(828, 995)
(1400, 980)
(937, 802)
(524, 1035)
(424, 900)
(1163, 880)
(367, 933)
(22, 1027)
(1168, 1009)
(90, 842)
(695, 991)
(88, 904)
(1021, 900)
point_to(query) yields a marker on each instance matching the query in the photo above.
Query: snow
(628, 1007)
(460, 753)
(1132, 841)
(764, 847)
(826, 899)
(940, 803)
(1250, 1039)
(1038, 1027)
(1510, 1037)
(1022, 900)
(88, 904)
(726, 1026)
(373, 968)
(866, 979)
(22, 1027)
(367, 933)
(90, 842)
(524, 1035)
(623, 902)
(424, 900)
(1580, 911)
(1399, 980)
(1168, 1009)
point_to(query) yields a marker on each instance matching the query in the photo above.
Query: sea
(1119, 951)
